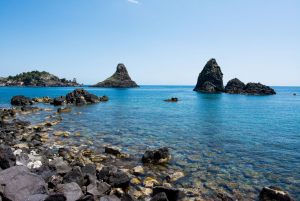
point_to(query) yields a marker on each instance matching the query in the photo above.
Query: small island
(37, 79)
(120, 79)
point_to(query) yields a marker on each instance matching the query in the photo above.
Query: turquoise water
(235, 143)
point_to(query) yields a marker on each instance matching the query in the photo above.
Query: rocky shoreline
(38, 162)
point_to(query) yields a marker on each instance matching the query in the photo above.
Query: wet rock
(110, 198)
(160, 197)
(150, 182)
(225, 197)
(273, 193)
(38, 197)
(7, 157)
(258, 89)
(30, 109)
(56, 197)
(235, 86)
(173, 99)
(72, 191)
(21, 101)
(87, 198)
(135, 181)
(75, 175)
(64, 110)
(112, 150)
(174, 176)
(81, 97)
(172, 193)
(98, 188)
(127, 197)
(45, 99)
(59, 101)
(7, 113)
(157, 156)
(120, 79)
(19, 183)
(104, 98)
(138, 170)
(211, 78)
(114, 177)
(89, 169)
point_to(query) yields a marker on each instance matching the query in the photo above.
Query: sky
(161, 42)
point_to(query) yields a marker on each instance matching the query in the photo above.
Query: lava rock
(258, 89)
(235, 86)
(173, 99)
(21, 101)
(19, 183)
(157, 156)
(273, 193)
(110, 198)
(120, 79)
(72, 191)
(160, 197)
(114, 177)
(211, 78)
(7, 157)
(38, 197)
(59, 101)
(171, 193)
(75, 175)
(112, 150)
(56, 197)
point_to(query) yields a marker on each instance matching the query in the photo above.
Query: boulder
(258, 89)
(59, 101)
(56, 197)
(19, 183)
(172, 194)
(72, 191)
(160, 197)
(75, 175)
(211, 78)
(112, 150)
(61, 166)
(120, 79)
(114, 177)
(38, 197)
(7, 157)
(109, 198)
(21, 101)
(157, 156)
(273, 193)
(235, 86)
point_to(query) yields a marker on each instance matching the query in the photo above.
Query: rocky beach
(39, 162)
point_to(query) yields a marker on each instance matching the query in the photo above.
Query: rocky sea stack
(120, 79)
(235, 86)
(38, 79)
(210, 80)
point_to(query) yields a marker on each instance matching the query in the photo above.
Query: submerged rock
(19, 183)
(211, 78)
(274, 194)
(21, 101)
(173, 99)
(120, 79)
(157, 156)
(59, 101)
(172, 194)
(160, 197)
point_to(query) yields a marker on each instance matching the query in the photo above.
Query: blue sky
(160, 41)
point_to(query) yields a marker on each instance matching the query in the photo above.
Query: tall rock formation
(120, 79)
(211, 78)
(235, 86)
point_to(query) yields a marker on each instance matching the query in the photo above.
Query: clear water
(234, 143)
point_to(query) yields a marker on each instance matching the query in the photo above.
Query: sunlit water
(234, 143)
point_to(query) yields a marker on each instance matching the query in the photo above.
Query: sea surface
(233, 143)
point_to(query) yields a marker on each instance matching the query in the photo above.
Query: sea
(234, 143)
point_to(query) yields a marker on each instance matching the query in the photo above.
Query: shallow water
(234, 143)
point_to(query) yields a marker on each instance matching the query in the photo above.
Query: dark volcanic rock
(211, 78)
(75, 175)
(21, 101)
(56, 197)
(120, 79)
(72, 191)
(19, 183)
(173, 99)
(274, 194)
(157, 156)
(59, 101)
(258, 89)
(81, 97)
(235, 86)
(173, 194)
(7, 157)
(160, 197)
(114, 177)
